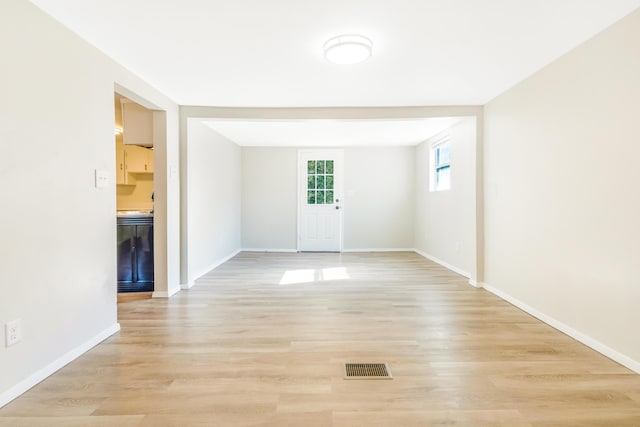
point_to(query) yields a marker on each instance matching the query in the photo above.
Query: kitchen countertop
(139, 213)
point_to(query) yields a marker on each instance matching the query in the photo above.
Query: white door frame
(165, 223)
(338, 192)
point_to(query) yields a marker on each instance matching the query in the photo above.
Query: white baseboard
(166, 294)
(269, 250)
(188, 285)
(445, 264)
(216, 264)
(380, 250)
(475, 283)
(343, 250)
(612, 354)
(54, 366)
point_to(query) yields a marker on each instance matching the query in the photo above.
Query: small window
(441, 166)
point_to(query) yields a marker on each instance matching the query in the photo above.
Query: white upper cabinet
(137, 124)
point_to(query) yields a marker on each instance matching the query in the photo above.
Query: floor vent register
(367, 371)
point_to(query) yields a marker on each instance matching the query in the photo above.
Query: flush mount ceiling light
(348, 49)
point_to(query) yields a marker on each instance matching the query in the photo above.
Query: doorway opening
(134, 149)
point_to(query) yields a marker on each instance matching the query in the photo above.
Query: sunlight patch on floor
(292, 277)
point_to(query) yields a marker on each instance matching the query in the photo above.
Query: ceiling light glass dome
(348, 49)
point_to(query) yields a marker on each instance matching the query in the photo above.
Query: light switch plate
(102, 178)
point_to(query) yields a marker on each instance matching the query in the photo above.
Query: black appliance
(135, 253)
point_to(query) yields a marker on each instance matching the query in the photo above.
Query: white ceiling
(323, 133)
(268, 53)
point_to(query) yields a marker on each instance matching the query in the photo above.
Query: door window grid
(320, 179)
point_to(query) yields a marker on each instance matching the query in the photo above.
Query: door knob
(337, 207)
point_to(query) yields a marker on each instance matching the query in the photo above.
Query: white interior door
(320, 200)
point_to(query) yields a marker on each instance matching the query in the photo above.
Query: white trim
(380, 250)
(475, 283)
(443, 263)
(188, 285)
(269, 250)
(298, 210)
(213, 266)
(162, 294)
(441, 138)
(54, 366)
(612, 354)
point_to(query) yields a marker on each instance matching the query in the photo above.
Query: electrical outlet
(13, 332)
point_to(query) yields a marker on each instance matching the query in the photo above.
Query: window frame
(437, 166)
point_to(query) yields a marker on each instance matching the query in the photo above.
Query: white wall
(269, 198)
(58, 245)
(378, 205)
(213, 199)
(445, 226)
(378, 202)
(562, 198)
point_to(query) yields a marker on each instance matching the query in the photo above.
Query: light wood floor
(242, 349)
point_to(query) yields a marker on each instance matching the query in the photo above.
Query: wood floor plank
(89, 421)
(313, 419)
(477, 418)
(261, 341)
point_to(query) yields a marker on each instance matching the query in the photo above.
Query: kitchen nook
(134, 195)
